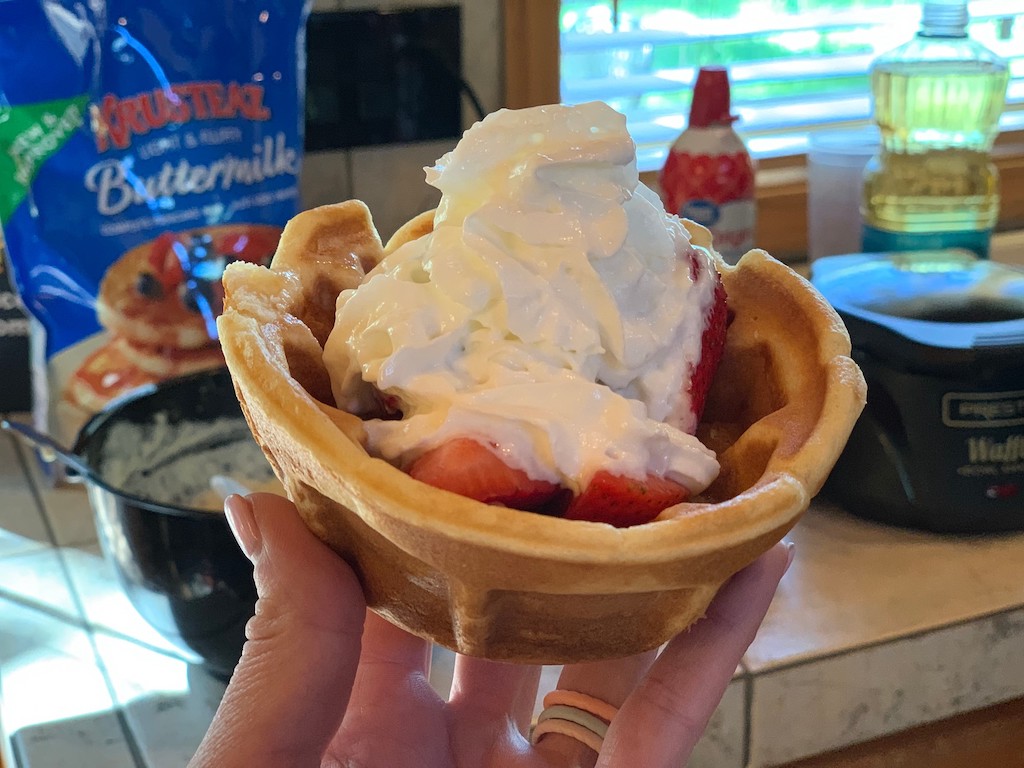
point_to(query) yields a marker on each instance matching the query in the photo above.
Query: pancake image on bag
(140, 156)
(545, 422)
(159, 303)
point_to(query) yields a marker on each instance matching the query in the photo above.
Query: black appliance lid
(928, 307)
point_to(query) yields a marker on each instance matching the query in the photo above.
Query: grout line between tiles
(100, 629)
(81, 624)
(25, 457)
(748, 712)
(49, 610)
(129, 736)
(81, 621)
(96, 629)
(26, 472)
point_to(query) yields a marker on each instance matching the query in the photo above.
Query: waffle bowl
(503, 584)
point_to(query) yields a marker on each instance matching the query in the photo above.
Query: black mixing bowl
(179, 565)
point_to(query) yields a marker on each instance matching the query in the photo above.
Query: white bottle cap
(944, 18)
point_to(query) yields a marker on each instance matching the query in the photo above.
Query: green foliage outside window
(834, 77)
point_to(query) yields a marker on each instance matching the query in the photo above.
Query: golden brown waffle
(504, 584)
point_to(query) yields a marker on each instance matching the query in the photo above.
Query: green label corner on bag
(29, 135)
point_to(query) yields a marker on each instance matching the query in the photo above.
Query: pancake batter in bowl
(172, 463)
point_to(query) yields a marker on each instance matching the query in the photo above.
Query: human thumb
(288, 694)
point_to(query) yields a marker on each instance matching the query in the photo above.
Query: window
(535, 30)
(795, 65)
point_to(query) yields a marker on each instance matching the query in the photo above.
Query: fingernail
(790, 553)
(243, 524)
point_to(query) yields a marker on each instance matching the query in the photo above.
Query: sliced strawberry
(471, 469)
(466, 467)
(624, 501)
(712, 344)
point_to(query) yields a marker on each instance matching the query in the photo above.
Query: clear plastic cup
(835, 173)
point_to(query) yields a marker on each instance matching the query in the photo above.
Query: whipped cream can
(708, 176)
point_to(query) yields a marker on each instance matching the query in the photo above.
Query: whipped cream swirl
(551, 314)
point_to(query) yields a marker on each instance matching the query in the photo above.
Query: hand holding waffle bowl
(505, 419)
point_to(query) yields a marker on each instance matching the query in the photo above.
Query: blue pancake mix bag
(144, 144)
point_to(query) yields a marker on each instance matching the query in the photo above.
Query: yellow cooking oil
(937, 102)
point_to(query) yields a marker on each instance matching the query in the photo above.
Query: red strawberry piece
(158, 251)
(388, 406)
(253, 246)
(165, 261)
(468, 468)
(711, 347)
(624, 501)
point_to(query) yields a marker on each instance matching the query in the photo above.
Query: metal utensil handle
(49, 448)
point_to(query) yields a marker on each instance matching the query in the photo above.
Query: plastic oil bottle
(937, 102)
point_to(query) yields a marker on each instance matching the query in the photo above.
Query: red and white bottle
(709, 174)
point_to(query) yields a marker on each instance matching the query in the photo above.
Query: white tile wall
(482, 46)
(481, 41)
(326, 178)
(389, 179)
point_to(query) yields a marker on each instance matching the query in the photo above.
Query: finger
(289, 691)
(610, 681)
(494, 691)
(662, 720)
(394, 716)
(391, 658)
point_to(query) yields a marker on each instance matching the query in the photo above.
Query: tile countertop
(874, 630)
